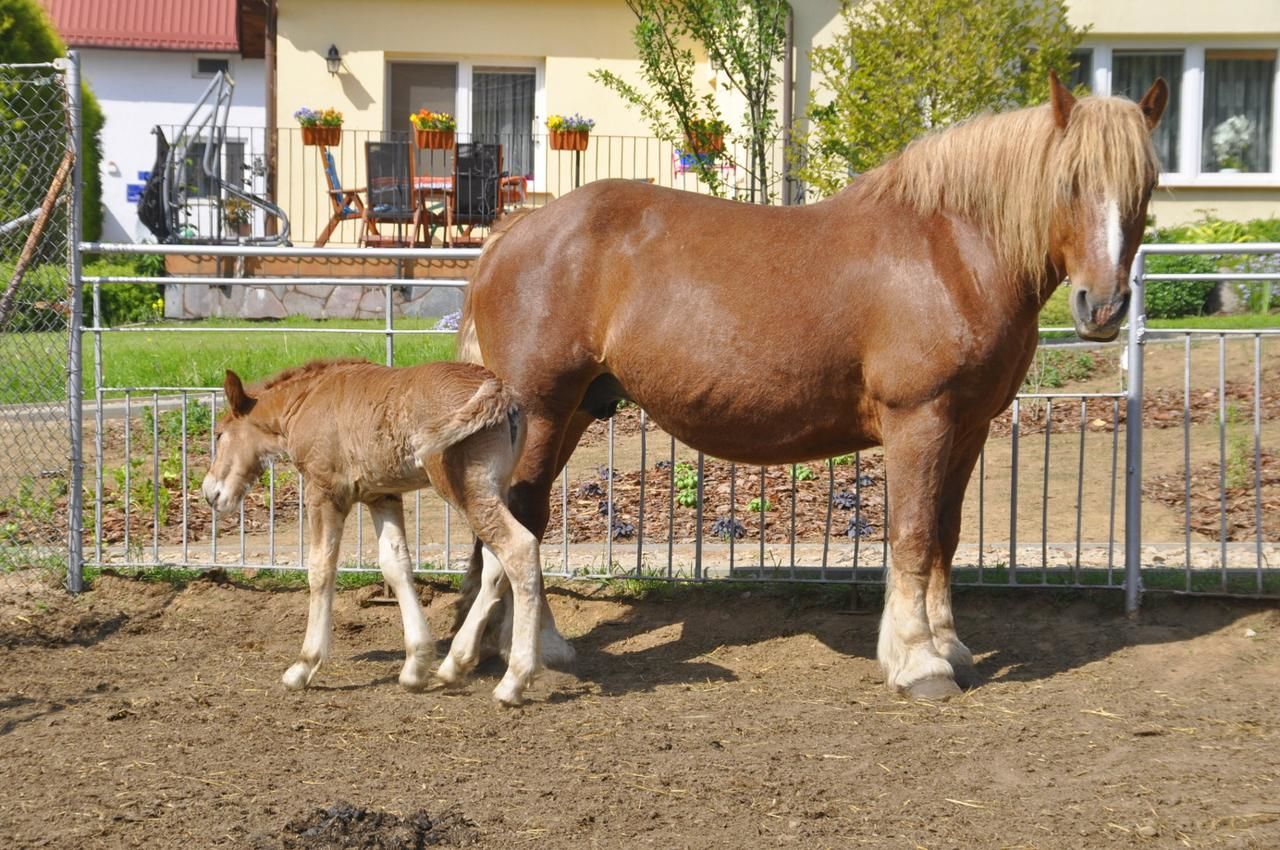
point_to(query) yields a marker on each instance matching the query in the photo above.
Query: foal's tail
(492, 405)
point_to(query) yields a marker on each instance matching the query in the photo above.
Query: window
(232, 165)
(207, 66)
(1082, 74)
(1237, 119)
(1133, 72)
(502, 111)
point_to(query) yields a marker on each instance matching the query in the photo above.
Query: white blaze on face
(1111, 230)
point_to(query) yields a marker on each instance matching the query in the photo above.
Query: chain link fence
(37, 172)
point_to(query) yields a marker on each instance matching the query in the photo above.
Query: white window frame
(462, 96)
(1188, 173)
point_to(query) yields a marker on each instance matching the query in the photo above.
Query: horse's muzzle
(1098, 320)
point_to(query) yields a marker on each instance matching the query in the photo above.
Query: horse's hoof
(450, 671)
(508, 695)
(934, 688)
(557, 653)
(415, 681)
(296, 677)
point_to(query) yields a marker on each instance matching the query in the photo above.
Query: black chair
(477, 177)
(391, 197)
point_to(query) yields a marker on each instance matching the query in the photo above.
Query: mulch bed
(1206, 502)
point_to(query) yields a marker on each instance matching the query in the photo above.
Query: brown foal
(364, 433)
(901, 312)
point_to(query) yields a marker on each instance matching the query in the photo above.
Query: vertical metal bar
(826, 531)
(417, 530)
(1257, 456)
(982, 509)
(884, 537)
(564, 515)
(857, 512)
(155, 476)
(608, 537)
(1115, 467)
(671, 509)
(128, 468)
(1133, 439)
(1044, 497)
(390, 324)
(1084, 415)
(213, 512)
(640, 511)
(1222, 456)
(271, 511)
(794, 486)
(760, 515)
(75, 351)
(1186, 456)
(99, 422)
(242, 531)
(448, 538)
(697, 529)
(302, 521)
(185, 494)
(733, 511)
(1013, 497)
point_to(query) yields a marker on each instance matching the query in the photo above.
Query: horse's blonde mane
(1010, 172)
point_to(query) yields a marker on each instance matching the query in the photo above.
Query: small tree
(745, 38)
(899, 68)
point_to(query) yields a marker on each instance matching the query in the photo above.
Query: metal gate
(39, 167)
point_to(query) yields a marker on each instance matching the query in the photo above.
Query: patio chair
(477, 190)
(392, 200)
(348, 205)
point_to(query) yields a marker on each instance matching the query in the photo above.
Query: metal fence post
(1133, 438)
(75, 359)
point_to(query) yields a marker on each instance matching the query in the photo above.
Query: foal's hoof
(508, 695)
(415, 681)
(450, 672)
(297, 677)
(934, 688)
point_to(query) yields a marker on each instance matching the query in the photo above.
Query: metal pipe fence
(1154, 473)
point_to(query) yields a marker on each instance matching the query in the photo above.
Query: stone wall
(317, 301)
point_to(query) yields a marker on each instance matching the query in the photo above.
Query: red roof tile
(208, 25)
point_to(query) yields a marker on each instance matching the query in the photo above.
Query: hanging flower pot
(320, 127)
(569, 140)
(327, 136)
(433, 139)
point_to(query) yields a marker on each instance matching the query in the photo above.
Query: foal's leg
(324, 524)
(917, 449)
(964, 456)
(397, 569)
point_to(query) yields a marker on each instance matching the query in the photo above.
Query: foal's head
(1105, 169)
(244, 445)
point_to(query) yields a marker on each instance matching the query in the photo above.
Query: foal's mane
(307, 370)
(1010, 172)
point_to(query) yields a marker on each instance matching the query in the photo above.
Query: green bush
(27, 36)
(123, 303)
(1171, 299)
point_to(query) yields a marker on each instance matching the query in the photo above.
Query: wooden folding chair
(348, 205)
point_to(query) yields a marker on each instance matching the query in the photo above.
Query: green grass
(167, 359)
(1238, 321)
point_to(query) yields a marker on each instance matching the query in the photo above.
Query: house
(149, 62)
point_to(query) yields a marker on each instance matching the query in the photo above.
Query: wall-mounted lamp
(333, 59)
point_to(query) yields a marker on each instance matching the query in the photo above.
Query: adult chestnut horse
(901, 312)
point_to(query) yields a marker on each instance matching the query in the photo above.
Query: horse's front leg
(397, 569)
(324, 524)
(917, 447)
(964, 456)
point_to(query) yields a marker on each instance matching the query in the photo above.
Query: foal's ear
(1063, 101)
(1154, 102)
(239, 402)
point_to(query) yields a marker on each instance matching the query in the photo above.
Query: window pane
(1132, 73)
(1238, 120)
(502, 112)
(1083, 73)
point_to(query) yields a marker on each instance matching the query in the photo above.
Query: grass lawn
(191, 358)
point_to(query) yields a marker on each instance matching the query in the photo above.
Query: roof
(204, 25)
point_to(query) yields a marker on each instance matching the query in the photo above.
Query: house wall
(139, 89)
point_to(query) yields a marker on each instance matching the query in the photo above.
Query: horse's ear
(239, 402)
(1154, 102)
(1063, 101)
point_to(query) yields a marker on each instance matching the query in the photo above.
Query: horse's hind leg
(324, 524)
(393, 557)
(917, 450)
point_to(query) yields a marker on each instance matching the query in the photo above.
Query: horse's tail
(493, 404)
(468, 343)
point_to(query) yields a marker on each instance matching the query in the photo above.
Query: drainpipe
(788, 100)
(269, 59)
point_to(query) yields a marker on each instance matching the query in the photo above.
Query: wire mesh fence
(36, 184)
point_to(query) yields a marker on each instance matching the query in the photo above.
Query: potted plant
(569, 132)
(1231, 141)
(320, 127)
(433, 130)
(705, 136)
(238, 215)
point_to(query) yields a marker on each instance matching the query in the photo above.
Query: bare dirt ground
(140, 715)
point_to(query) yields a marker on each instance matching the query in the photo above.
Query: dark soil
(140, 715)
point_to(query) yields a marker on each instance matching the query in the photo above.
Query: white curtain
(502, 112)
(1239, 85)
(1132, 73)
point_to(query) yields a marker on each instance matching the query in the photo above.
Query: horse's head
(243, 445)
(1106, 168)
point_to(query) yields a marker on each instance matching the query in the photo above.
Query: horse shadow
(1016, 635)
